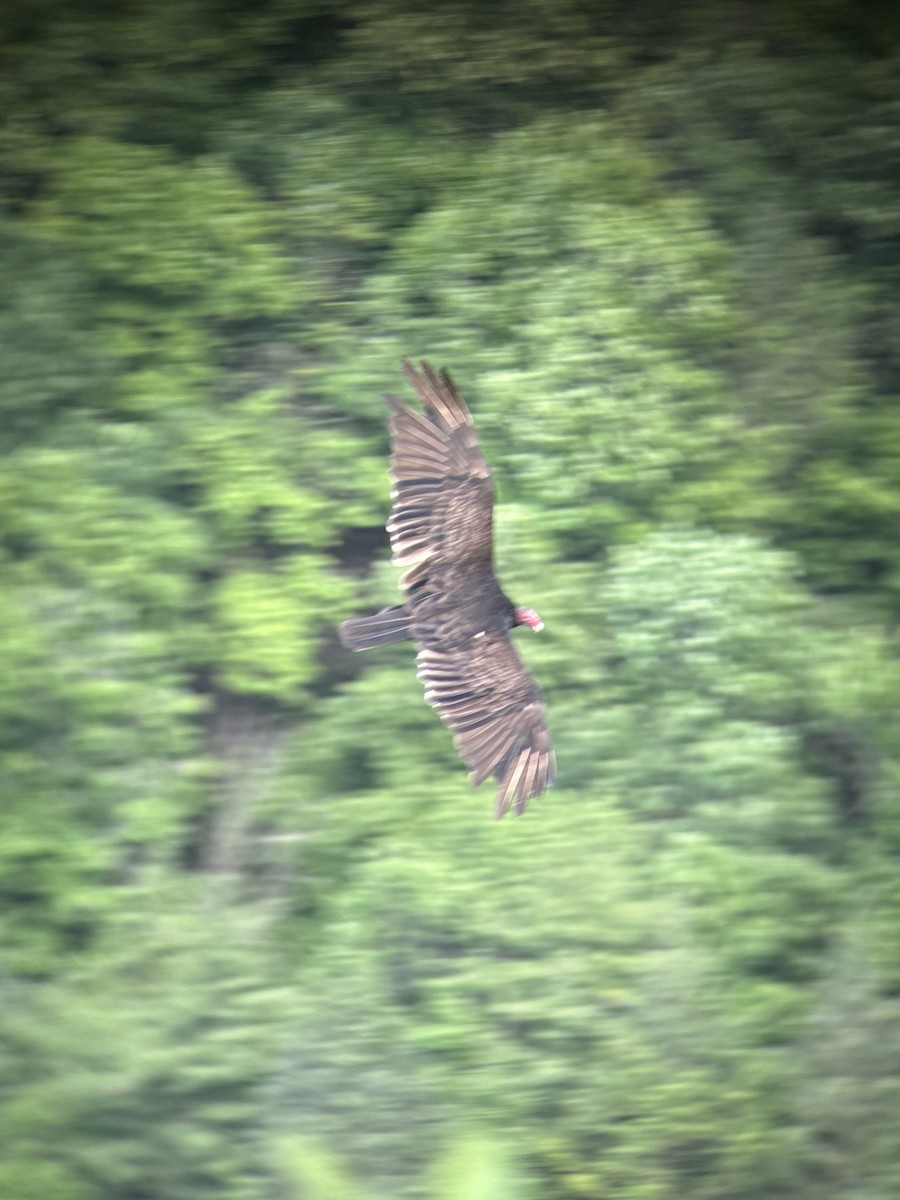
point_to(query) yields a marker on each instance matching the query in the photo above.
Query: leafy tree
(137, 1072)
(259, 938)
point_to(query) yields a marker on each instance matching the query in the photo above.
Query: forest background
(259, 939)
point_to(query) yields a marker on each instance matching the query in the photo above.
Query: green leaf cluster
(257, 938)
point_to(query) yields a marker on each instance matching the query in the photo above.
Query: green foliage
(475, 1168)
(313, 1172)
(157, 72)
(774, 133)
(259, 937)
(140, 1068)
(50, 361)
(195, 232)
(532, 976)
(484, 988)
(593, 300)
(266, 623)
(472, 1168)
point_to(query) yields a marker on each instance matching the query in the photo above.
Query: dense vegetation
(259, 940)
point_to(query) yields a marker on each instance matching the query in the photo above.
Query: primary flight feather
(441, 528)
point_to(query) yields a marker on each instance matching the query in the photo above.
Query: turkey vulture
(441, 527)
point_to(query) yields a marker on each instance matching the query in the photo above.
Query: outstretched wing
(497, 715)
(442, 488)
(441, 526)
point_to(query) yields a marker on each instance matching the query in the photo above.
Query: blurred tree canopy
(258, 939)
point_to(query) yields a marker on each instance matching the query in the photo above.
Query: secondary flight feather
(456, 613)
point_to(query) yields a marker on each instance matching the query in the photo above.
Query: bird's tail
(363, 633)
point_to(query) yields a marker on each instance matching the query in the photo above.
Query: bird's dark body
(450, 612)
(441, 527)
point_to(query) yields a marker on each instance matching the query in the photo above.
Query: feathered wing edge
(499, 731)
(417, 473)
(439, 394)
(379, 629)
(526, 773)
(427, 450)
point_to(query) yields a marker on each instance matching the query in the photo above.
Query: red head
(527, 616)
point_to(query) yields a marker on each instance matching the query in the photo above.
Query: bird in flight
(441, 528)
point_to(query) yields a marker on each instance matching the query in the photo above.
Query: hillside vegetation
(260, 940)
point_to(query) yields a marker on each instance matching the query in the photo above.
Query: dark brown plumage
(441, 527)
